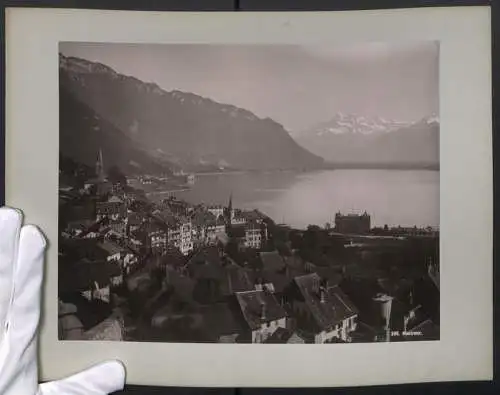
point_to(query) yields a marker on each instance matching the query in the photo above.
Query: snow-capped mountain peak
(432, 119)
(361, 139)
(342, 123)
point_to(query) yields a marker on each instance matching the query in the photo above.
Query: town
(131, 269)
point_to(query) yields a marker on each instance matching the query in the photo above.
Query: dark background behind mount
(288, 5)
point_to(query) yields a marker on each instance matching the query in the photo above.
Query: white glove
(22, 250)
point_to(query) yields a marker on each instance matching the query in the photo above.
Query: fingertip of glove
(33, 234)
(116, 371)
(10, 214)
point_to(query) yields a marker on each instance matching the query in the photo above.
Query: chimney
(322, 293)
(324, 283)
(384, 305)
(323, 287)
(263, 311)
(259, 284)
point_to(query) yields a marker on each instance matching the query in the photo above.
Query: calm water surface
(391, 197)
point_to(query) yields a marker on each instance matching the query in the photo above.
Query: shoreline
(327, 168)
(183, 192)
(167, 191)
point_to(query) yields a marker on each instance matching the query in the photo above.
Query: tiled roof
(280, 335)
(335, 306)
(109, 329)
(258, 307)
(153, 227)
(115, 199)
(322, 260)
(332, 275)
(168, 219)
(279, 280)
(80, 225)
(222, 238)
(134, 219)
(236, 279)
(203, 218)
(272, 261)
(296, 339)
(416, 316)
(222, 319)
(253, 215)
(218, 222)
(95, 180)
(111, 248)
(137, 195)
(174, 203)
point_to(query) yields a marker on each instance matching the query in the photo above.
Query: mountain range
(82, 133)
(356, 140)
(142, 127)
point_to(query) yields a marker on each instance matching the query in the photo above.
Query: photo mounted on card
(258, 199)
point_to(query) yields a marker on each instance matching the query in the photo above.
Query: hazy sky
(296, 86)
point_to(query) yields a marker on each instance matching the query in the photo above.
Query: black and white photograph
(249, 193)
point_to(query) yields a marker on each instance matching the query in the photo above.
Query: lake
(391, 197)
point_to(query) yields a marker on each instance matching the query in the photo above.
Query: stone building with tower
(352, 223)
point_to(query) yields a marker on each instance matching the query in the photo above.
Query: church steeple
(100, 166)
(230, 210)
(230, 205)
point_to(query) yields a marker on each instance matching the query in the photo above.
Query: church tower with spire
(230, 210)
(100, 167)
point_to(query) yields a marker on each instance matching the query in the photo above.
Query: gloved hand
(22, 250)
